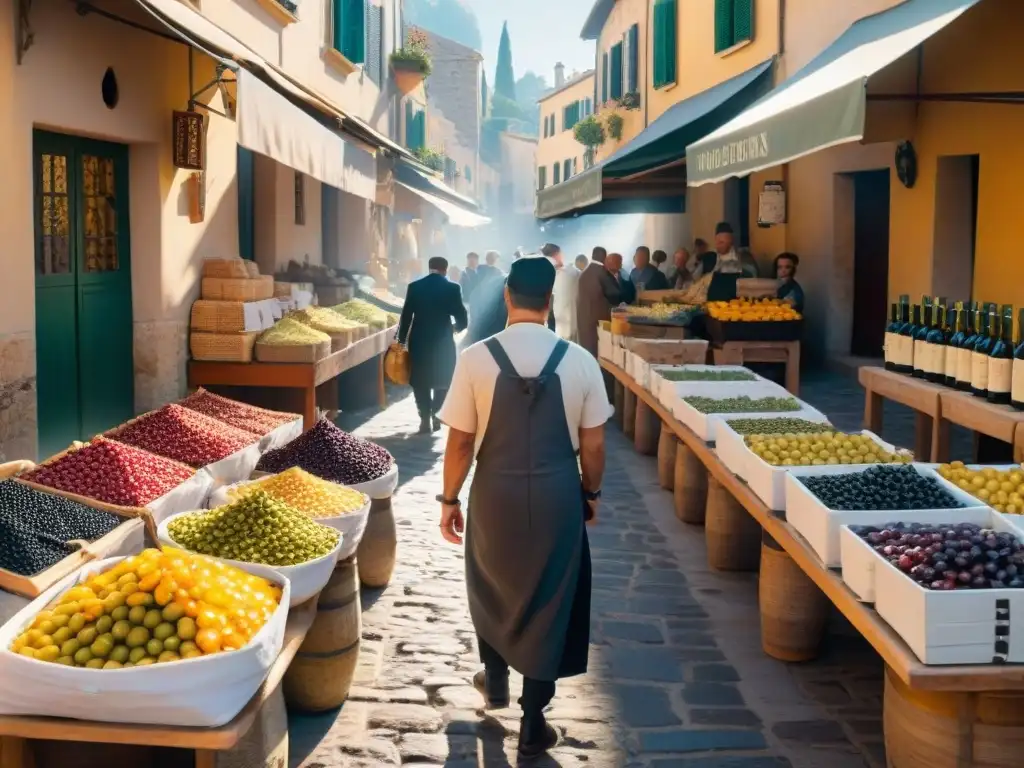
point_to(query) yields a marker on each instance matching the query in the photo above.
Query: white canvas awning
(457, 215)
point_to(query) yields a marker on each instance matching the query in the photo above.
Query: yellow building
(559, 156)
(893, 135)
(106, 221)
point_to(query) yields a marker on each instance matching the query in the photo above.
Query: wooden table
(18, 732)
(743, 352)
(894, 652)
(1000, 422)
(302, 376)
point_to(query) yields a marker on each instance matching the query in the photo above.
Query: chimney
(559, 75)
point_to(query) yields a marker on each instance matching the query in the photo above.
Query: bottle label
(920, 355)
(1017, 386)
(1000, 374)
(889, 347)
(952, 361)
(937, 358)
(979, 371)
(964, 358)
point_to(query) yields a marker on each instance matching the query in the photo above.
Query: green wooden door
(84, 366)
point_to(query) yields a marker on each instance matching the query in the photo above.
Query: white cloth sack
(281, 435)
(205, 692)
(234, 468)
(382, 487)
(191, 494)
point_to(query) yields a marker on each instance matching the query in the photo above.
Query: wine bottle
(1017, 385)
(937, 339)
(956, 340)
(979, 360)
(891, 333)
(965, 355)
(921, 339)
(1000, 359)
(905, 339)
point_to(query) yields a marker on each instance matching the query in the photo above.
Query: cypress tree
(504, 77)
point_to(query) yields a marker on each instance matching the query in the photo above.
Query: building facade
(559, 155)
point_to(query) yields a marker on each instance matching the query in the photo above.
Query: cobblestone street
(677, 676)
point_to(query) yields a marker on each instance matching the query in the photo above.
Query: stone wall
(18, 426)
(161, 355)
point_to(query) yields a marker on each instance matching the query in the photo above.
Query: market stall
(960, 684)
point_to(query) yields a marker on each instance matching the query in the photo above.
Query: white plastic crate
(819, 525)
(970, 626)
(664, 386)
(604, 344)
(705, 424)
(732, 450)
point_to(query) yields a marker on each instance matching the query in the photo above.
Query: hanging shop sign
(187, 140)
(771, 204)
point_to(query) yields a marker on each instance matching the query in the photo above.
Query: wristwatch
(440, 498)
(592, 495)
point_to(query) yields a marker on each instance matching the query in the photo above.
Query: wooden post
(619, 401)
(629, 400)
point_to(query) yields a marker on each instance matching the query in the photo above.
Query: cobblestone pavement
(677, 676)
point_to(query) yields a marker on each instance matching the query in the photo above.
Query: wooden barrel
(689, 486)
(733, 537)
(618, 401)
(667, 444)
(925, 729)
(265, 744)
(320, 676)
(793, 610)
(376, 553)
(628, 412)
(647, 429)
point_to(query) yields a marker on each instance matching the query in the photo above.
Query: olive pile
(255, 529)
(1001, 489)
(881, 488)
(743, 404)
(705, 375)
(822, 448)
(786, 427)
(330, 453)
(945, 557)
(35, 527)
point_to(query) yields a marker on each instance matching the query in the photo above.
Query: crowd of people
(527, 401)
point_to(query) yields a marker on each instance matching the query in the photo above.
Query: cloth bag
(396, 364)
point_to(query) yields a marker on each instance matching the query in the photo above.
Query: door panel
(871, 262)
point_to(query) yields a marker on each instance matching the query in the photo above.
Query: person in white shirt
(525, 402)
(566, 292)
(724, 259)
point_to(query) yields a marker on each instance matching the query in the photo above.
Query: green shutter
(604, 78)
(556, 170)
(410, 125)
(742, 20)
(664, 43)
(350, 29)
(616, 72)
(723, 25)
(421, 129)
(542, 177)
(634, 59)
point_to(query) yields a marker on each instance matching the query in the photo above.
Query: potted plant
(432, 158)
(615, 125)
(630, 100)
(590, 133)
(411, 63)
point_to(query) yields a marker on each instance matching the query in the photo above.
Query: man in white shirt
(566, 292)
(724, 259)
(525, 402)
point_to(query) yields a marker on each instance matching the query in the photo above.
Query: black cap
(723, 228)
(531, 276)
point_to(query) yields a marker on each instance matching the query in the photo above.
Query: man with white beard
(565, 292)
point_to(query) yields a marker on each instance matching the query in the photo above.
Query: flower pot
(407, 77)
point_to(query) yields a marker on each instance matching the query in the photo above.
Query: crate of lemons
(751, 310)
(1000, 488)
(157, 607)
(826, 448)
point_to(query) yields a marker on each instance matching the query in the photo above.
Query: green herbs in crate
(780, 426)
(743, 404)
(706, 375)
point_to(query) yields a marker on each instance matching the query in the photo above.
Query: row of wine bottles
(966, 346)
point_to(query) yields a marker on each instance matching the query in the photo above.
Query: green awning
(822, 105)
(660, 143)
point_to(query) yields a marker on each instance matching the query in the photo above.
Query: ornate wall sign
(187, 140)
(906, 164)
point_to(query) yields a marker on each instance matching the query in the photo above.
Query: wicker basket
(218, 316)
(14, 468)
(222, 347)
(225, 268)
(292, 353)
(230, 289)
(793, 610)
(253, 269)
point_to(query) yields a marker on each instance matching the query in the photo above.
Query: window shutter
(542, 177)
(421, 125)
(410, 125)
(664, 43)
(374, 42)
(616, 72)
(575, 166)
(556, 173)
(566, 170)
(634, 59)
(350, 29)
(742, 20)
(604, 78)
(723, 24)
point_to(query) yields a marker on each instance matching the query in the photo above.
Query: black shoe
(493, 688)
(436, 423)
(535, 737)
(424, 427)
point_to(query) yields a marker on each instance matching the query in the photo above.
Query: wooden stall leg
(793, 610)
(16, 753)
(378, 547)
(689, 486)
(265, 744)
(206, 758)
(382, 394)
(646, 430)
(728, 354)
(793, 368)
(309, 407)
(619, 401)
(940, 441)
(733, 537)
(873, 412)
(667, 445)
(922, 434)
(629, 412)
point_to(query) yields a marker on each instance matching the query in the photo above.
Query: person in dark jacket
(599, 291)
(469, 276)
(645, 276)
(785, 272)
(431, 316)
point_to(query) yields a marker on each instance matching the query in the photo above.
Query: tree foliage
(504, 76)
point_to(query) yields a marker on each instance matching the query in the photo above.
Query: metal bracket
(24, 37)
(217, 82)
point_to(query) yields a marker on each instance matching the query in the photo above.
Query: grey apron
(527, 555)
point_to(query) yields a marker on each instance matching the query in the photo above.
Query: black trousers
(537, 694)
(428, 401)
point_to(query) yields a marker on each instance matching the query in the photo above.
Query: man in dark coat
(599, 291)
(469, 276)
(432, 304)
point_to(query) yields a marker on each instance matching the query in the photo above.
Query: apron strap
(556, 357)
(500, 357)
